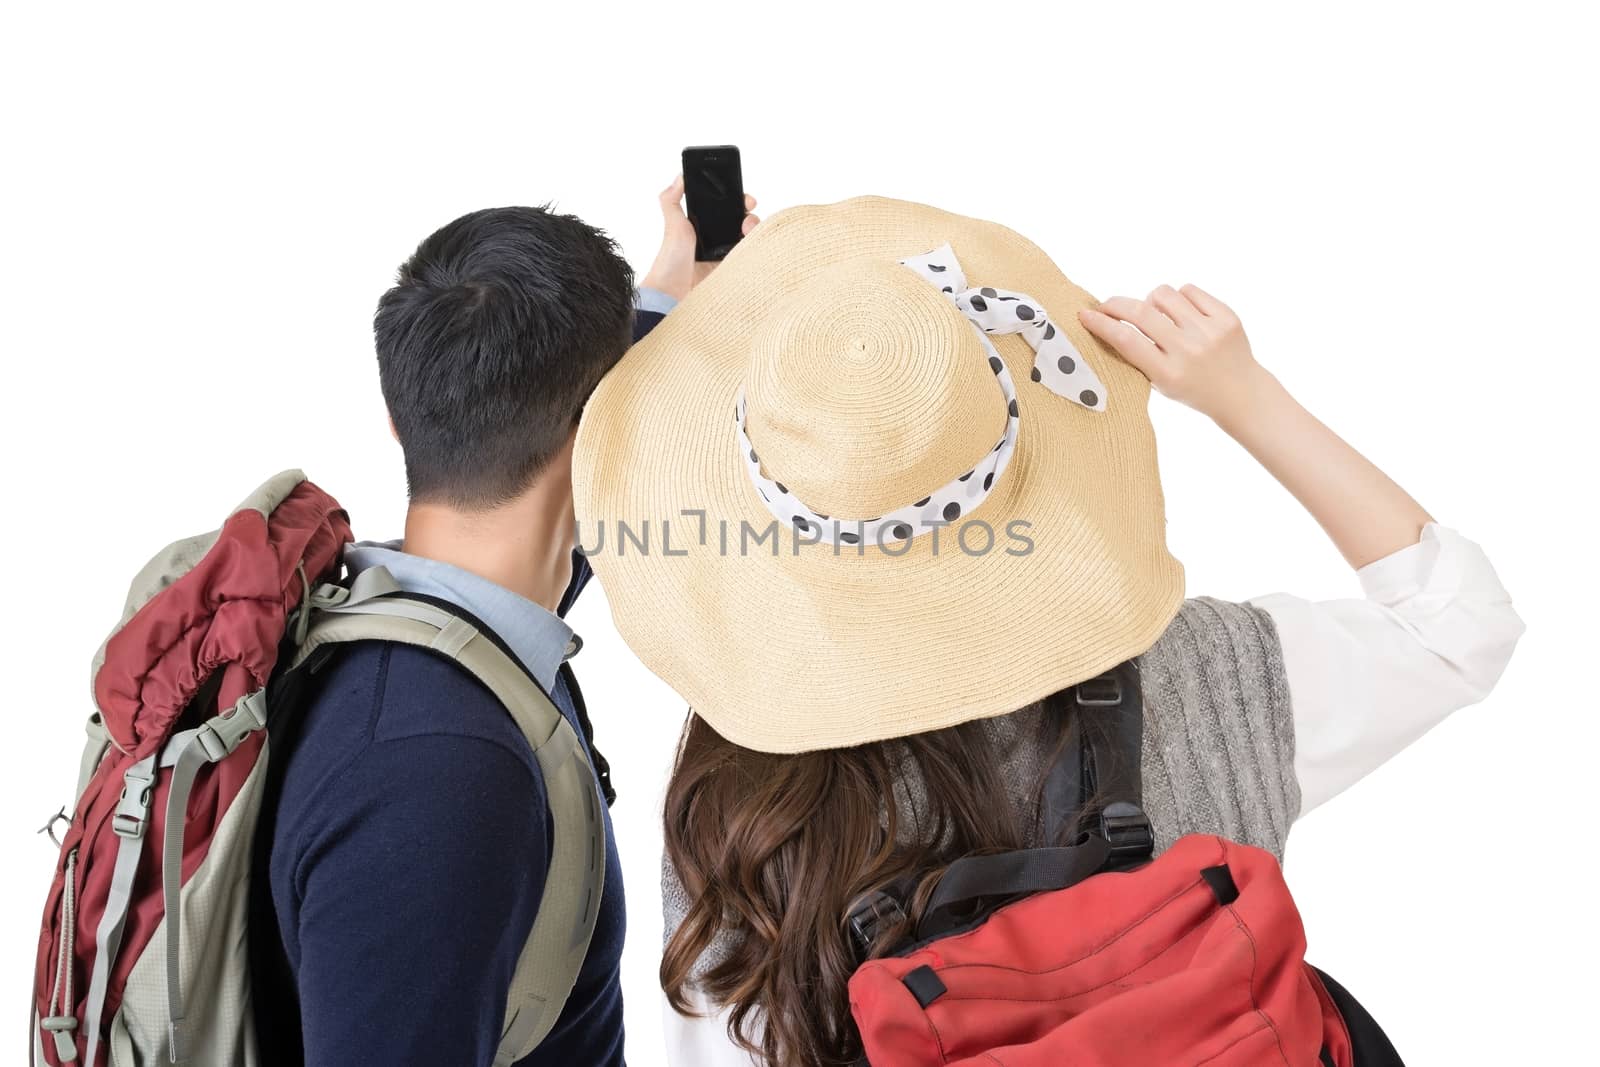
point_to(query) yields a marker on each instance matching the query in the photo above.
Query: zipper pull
(61, 1027)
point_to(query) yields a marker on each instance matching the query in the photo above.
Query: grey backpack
(142, 951)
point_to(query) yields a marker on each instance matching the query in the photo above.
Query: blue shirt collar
(536, 636)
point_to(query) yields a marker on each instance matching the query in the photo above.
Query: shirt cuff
(1441, 567)
(648, 299)
(1446, 593)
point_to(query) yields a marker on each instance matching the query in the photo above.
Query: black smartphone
(714, 188)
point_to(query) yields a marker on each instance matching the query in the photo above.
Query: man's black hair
(499, 327)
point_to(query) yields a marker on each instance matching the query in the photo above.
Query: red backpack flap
(226, 611)
(207, 612)
(1196, 957)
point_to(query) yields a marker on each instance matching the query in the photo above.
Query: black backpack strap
(1100, 767)
(1119, 740)
(1118, 757)
(1006, 876)
(602, 766)
(1098, 771)
(1069, 785)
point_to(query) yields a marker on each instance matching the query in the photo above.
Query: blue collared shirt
(653, 300)
(535, 635)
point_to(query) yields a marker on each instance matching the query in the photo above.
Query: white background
(201, 208)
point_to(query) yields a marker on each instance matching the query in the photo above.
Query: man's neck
(524, 546)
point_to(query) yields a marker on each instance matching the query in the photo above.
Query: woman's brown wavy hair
(773, 850)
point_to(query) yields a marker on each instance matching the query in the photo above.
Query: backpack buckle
(1127, 830)
(871, 915)
(223, 733)
(1104, 691)
(138, 785)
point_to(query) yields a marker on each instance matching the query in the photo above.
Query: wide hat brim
(816, 646)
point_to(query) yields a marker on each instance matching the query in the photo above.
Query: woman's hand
(675, 270)
(1193, 349)
(1189, 344)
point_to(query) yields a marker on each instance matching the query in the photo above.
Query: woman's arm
(1436, 628)
(1367, 677)
(1193, 349)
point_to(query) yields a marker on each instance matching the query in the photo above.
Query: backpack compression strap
(1100, 766)
(549, 964)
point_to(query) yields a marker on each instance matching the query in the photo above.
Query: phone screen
(714, 189)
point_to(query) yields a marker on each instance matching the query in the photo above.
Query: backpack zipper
(61, 1026)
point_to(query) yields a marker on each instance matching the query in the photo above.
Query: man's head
(500, 326)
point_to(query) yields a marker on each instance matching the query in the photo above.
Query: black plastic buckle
(1104, 691)
(1126, 829)
(871, 915)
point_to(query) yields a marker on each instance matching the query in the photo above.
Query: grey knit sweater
(1218, 738)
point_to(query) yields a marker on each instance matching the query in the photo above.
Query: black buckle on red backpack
(1102, 691)
(871, 915)
(1127, 830)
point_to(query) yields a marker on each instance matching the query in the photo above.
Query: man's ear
(394, 433)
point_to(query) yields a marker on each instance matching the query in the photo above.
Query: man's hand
(675, 270)
(1187, 342)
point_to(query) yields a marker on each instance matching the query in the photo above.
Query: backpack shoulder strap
(1097, 773)
(1101, 765)
(1117, 743)
(1116, 752)
(373, 609)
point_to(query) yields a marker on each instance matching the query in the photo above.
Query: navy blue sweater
(408, 847)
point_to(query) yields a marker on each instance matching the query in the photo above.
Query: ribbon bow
(1057, 365)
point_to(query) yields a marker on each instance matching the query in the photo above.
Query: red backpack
(142, 955)
(1094, 955)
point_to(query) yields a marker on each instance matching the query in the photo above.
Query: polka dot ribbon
(1057, 365)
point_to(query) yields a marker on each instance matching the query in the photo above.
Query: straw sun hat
(872, 478)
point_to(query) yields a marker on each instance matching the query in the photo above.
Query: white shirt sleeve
(701, 1040)
(1368, 677)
